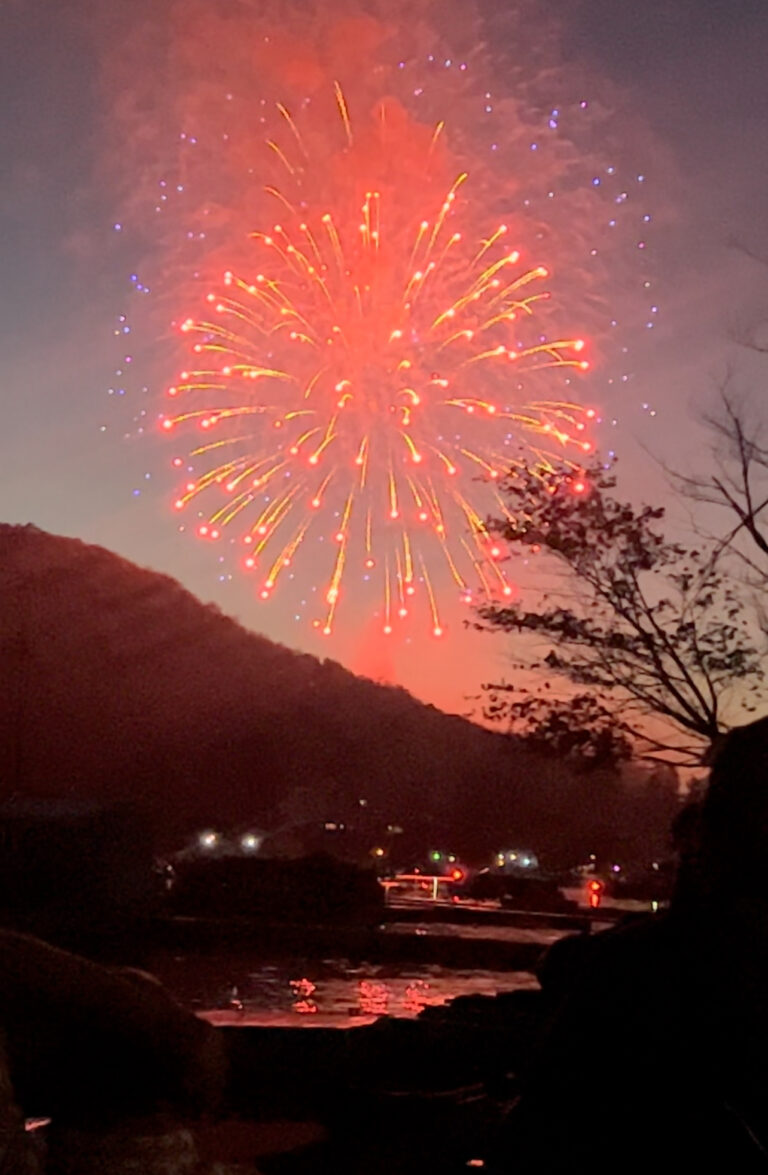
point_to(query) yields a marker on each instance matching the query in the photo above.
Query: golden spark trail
(361, 384)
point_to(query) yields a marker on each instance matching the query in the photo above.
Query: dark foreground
(129, 1081)
(639, 1046)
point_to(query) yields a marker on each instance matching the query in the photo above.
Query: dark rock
(85, 1044)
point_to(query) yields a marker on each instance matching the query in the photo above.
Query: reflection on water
(544, 935)
(303, 989)
(233, 989)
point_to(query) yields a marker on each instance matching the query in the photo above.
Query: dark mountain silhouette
(117, 683)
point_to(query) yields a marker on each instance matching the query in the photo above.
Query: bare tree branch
(736, 482)
(654, 626)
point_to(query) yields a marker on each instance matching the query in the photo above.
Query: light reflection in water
(235, 989)
(373, 998)
(303, 990)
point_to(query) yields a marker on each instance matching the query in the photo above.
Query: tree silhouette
(581, 729)
(736, 481)
(646, 622)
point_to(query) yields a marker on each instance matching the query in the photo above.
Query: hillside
(116, 682)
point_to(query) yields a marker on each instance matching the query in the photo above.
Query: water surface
(236, 989)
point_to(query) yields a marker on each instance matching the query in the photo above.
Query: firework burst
(361, 380)
(373, 353)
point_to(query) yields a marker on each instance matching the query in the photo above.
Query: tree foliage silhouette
(652, 625)
(581, 729)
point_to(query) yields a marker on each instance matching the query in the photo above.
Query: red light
(594, 893)
(457, 875)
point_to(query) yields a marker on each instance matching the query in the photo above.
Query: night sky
(691, 71)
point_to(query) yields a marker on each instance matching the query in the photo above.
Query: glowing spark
(381, 340)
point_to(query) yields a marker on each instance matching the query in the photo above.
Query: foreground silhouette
(653, 1058)
(108, 1056)
(658, 1033)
